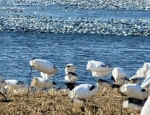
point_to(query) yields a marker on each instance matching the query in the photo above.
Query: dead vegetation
(55, 102)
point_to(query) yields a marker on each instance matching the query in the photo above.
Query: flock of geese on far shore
(137, 93)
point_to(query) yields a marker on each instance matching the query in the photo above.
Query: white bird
(99, 69)
(135, 79)
(71, 77)
(134, 91)
(145, 109)
(11, 85)
(119, 77)
(14, 83)
(119, 82)
(82, 92)
(46, 76)
(103, 83)
(43, 66)
(40, 82)
(134, 104)
(70, 68)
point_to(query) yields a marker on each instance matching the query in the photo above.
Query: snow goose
(104, 84)
(135, 79)
(134, 91)
(99, 69)
(82, 92)
(70, 68)
(119, 77)
(71, 77)
(40, 82)
(46, 76)
(43, 66)
(146, 67)
(146, 82)
(134, 104)
(12, 85)
(145, 109)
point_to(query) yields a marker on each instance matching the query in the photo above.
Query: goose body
(99, 69)
(134, 91)
(98, 66)
(46, 76)
(118, 73)
(70, 68)
(122, 81)
(146, 82)
(83, 91)
(103, 83)
(71, 77)
(145, 109)
(135, 79)
(14, 83)
(43, 66)
(133, 104)
(40, 82)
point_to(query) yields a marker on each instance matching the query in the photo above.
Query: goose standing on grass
(134, 104)
(82, 92)
(47, 70)
(39, 83)
(12, 85)
(134, 91)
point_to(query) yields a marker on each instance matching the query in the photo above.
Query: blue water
(70, 33)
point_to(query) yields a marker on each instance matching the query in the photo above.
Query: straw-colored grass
(58, 103)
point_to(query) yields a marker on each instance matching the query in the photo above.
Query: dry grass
(58, 103)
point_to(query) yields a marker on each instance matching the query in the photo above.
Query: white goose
(10, 85)
(135, 79)
(134, 91)
(71, 77)
(40, 82)
(70, 68)
(99, 69)
(104, 84)
(82, 92)
(146, 84)
(134, 104)
(145, 109)
(46, 76)
(43, 66)
(119, 76)
(14, 83)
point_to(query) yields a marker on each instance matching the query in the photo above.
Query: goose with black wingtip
(82, 92)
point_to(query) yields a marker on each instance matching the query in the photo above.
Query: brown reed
(55, 102)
